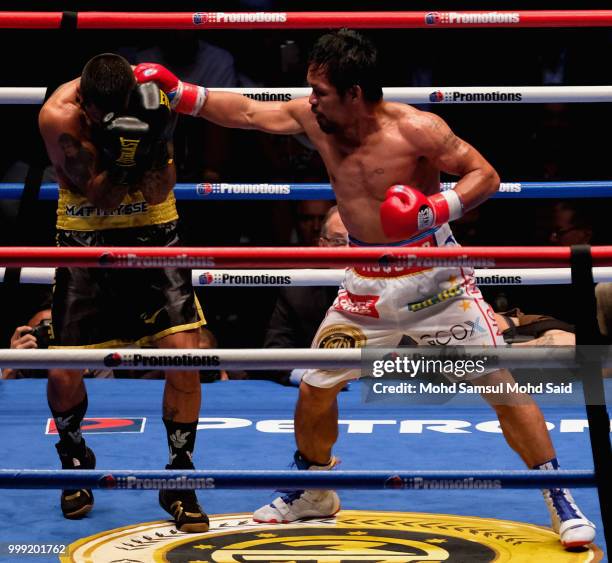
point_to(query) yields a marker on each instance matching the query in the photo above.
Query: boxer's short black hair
(106, 82)
(348, 59)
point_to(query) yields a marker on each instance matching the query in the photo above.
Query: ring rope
(304, 191)
(408, 95)
(379, 257)
(273, 358)
(244, 479)
(311, 20)
(334, 277)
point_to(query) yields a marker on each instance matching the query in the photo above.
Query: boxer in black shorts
(109, 140)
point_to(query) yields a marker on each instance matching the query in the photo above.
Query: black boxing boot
(76, 503)
(183, 506)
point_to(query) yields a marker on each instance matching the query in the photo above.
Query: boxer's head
(106, 83)
(342, 71)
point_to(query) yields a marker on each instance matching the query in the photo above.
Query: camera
(42, 333)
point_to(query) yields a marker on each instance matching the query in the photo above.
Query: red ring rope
(288, 257)
(312, 20)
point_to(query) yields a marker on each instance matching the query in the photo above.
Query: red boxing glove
(184, 97)
(407, 211)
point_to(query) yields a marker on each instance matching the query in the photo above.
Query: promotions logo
(206, 278)
(436, 96)
(352, 537)
(472, 18)
(203, 17)
(113, 360)
(433, 18)
(206, 189)
(200, 18)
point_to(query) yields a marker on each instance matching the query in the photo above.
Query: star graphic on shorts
(465, 304)
(203, 546)
(436, 540)
(357, 534)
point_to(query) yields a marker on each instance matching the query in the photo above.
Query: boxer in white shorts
(384, 161)
(378, 306)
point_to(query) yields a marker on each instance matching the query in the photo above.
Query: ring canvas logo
(353, 537)
(104, 425)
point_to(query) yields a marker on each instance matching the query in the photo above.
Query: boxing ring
(127, 417)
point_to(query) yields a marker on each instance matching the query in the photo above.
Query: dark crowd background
(527, 142)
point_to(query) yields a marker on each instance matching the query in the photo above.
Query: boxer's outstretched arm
(224, 108)
(234, 110)
(437, 143)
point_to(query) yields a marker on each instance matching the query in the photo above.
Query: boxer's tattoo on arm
(78, 160)
(154, 186)
(451, 140)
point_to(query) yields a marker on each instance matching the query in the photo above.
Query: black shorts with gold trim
(98, 308)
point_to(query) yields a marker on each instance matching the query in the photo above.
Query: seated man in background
(299, 310)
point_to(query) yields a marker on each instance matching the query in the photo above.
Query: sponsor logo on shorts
(269, 96)
(449, 293)
(357, 304)
(456, 333)
(449, 18)
(499, 280)
(103, 425)
(458, 96)
(125, 209)
(200, 18)
(353, 536)
(341, 336)
(237, 189)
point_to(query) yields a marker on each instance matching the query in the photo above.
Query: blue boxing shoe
(573, 527)
(301, 505)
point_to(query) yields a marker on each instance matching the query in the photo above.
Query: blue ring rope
(234, 479)
(265, 191)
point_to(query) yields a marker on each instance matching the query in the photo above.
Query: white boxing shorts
(378, 306)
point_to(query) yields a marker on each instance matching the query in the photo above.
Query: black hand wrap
(138, 142)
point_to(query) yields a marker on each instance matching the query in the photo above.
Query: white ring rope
(334, 277)
(409, 95)
(278, 358)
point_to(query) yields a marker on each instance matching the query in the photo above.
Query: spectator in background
(209, 340)
(36, 333)
(299, 310)
(310, 216)
(603, 293)
(571, 224)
